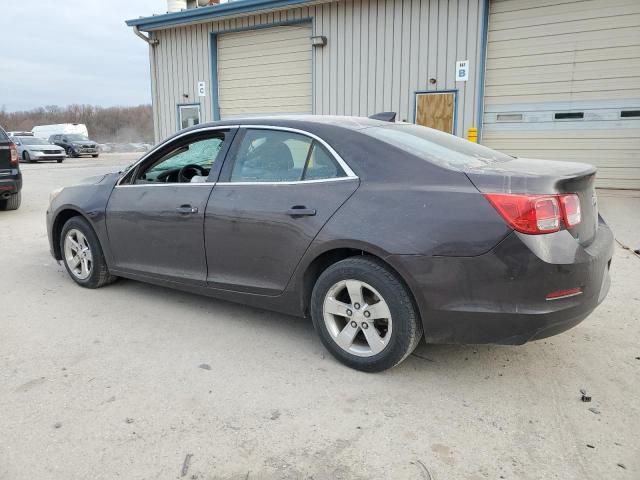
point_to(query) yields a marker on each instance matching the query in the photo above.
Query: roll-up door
(563, 82)
(265, 71)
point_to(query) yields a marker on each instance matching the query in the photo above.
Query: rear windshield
(436, 146)
(3, 136)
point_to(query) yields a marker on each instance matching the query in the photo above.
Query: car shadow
(276, 328)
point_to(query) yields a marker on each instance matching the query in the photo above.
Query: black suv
(75, 144)
(10, 176)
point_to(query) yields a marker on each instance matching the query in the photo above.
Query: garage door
(265, 72)
(563, 82)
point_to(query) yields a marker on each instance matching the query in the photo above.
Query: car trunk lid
(535, 177)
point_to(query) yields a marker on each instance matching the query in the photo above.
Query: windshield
(33, 141)
(436, 146)
(76, 137)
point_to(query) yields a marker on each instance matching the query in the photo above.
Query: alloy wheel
(77, 254)
(357, 318)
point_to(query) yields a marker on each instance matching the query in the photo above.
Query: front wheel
(26, 157)
(365, 315)
(82, 254)
(70, 153)
(95, 155)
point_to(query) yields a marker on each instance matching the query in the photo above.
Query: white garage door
(563, 82)
(265, 72)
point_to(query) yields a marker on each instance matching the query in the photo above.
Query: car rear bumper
(500, 297)
(10, 184)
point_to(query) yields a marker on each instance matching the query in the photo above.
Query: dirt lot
(135, 381)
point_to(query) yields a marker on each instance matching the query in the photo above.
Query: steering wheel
(187, 172)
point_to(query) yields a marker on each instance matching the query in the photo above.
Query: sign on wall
(202, 89)
(462, 70)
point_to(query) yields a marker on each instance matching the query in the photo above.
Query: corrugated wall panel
(580, 56)
(379, 53)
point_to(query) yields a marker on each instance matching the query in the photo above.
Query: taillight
(571, 209)
(14, 154)
(537, 214)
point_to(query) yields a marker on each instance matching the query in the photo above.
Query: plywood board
(435, 110)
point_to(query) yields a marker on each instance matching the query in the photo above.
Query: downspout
(151, 41)
(483, 68)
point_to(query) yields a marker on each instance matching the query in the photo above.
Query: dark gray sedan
(383, 233)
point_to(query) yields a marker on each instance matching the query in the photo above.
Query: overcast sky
(59, 52)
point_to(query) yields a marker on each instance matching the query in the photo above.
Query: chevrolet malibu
(383, 233)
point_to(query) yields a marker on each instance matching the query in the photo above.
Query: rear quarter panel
(406, 205)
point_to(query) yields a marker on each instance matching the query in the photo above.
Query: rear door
(277, 190)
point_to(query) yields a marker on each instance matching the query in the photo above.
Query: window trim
(349, 174)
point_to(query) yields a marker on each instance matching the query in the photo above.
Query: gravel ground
(136, 381)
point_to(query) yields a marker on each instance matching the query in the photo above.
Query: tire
(95, 155)
(26, 157)
(384, 295)
(11, 203)
(97, 273)
(60, 160)
(70, 153)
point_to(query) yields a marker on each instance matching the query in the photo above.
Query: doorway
(436, 110)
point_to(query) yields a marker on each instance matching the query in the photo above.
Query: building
(555, 79)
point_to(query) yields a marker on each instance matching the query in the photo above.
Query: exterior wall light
(319, 41)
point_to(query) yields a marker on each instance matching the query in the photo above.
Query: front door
(276, 192)
(155, 216)
(436, 110)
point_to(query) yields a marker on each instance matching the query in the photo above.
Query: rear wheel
(82, 254)
(11, 203)
(364, 315)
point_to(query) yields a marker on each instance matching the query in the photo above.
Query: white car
(34, 149)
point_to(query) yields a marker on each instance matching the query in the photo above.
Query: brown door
(435, 110)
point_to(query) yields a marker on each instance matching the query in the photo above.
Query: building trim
(211, 13)
(213, 47)
(482, 68)
(455, 105)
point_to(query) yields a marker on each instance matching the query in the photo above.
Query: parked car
(75, 144)
(10, 176)
(34, 149)
(45, 131)
(20, 134)
(379, 231)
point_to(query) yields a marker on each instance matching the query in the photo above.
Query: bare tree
(111, 124)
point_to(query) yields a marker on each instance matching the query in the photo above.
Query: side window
(322, 165)
(187, 163)
(280, 156)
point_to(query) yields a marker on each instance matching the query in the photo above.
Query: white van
(45, 131)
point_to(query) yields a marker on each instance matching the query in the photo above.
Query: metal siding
(576, 56)
(379, 53)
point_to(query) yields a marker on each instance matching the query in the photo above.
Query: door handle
(187, 209)
(301, 211)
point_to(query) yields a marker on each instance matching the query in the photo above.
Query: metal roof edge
(206, 13)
